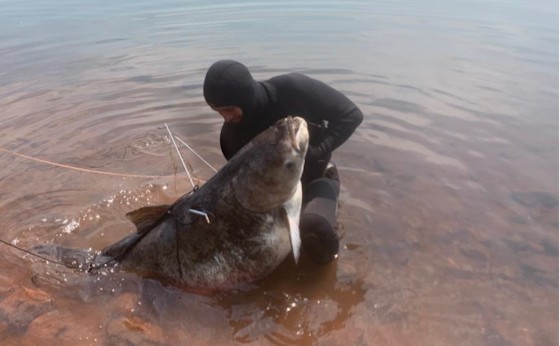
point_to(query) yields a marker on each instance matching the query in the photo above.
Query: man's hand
(314, 154)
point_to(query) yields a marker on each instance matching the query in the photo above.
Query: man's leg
(318, 217)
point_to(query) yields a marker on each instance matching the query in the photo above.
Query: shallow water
(449, 201)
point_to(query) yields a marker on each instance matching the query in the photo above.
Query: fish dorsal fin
(293, 209)
(145, 218)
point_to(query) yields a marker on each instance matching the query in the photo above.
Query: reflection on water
(449, 198)
(308, 302)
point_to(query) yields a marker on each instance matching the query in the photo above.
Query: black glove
(314, 154)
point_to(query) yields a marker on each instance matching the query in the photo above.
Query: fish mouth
(299, 136)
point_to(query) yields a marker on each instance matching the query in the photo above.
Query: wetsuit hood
(229, 83)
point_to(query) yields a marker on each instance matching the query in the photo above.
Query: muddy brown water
(449, 201)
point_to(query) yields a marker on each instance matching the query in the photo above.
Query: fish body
(252, 204)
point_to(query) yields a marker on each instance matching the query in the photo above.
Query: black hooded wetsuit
(331, 116)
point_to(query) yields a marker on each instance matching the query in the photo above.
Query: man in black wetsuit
(250, 107)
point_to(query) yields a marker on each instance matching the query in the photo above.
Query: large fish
(252, 205)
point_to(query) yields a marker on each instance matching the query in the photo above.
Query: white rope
(194, 152)
(179, 153)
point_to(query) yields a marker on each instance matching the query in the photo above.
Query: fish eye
(289, 165)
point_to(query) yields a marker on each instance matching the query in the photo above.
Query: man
(250, 107)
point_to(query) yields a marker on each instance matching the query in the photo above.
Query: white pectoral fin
(293, 210)
(295, 238)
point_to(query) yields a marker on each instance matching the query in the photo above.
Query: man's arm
(228, 141)
(324, 103)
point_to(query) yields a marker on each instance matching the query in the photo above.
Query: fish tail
(72, 258)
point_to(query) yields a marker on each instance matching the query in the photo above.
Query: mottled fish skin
(249, 232)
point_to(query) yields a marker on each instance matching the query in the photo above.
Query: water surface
(449, 201)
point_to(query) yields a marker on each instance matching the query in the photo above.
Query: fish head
(271, 169)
